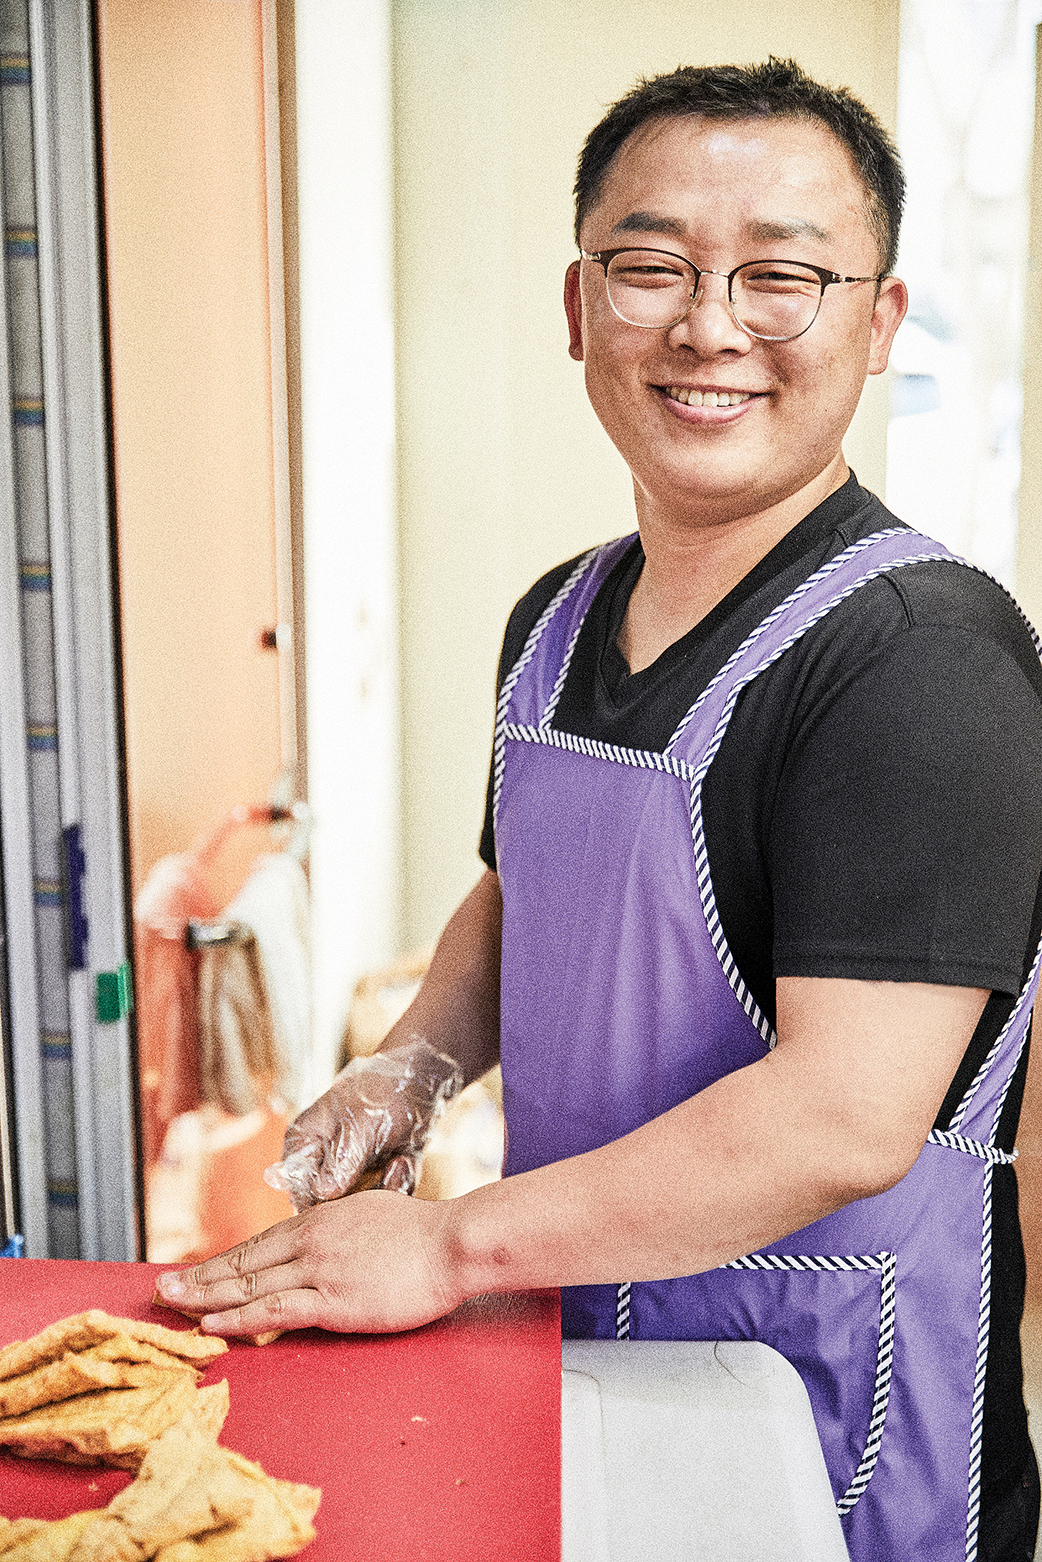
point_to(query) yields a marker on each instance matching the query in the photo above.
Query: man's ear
(891, 308)
(573, 308)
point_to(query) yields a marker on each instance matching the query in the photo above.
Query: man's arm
(370, 1127)
(457, 1006)
(838, 1111)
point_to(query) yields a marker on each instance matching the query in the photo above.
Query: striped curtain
(21, 266)
(68, 1027)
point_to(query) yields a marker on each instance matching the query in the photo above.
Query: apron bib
(620, 999)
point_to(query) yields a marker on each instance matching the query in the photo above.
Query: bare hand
(373, 1263)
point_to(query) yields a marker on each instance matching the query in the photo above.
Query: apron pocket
(831, 1317)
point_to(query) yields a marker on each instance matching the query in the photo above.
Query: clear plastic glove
(370, 1127)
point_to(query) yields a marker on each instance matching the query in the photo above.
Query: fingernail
(170, 1285)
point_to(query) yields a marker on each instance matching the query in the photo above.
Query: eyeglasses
(775, 300)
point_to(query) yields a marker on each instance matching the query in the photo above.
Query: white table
(683, 1451)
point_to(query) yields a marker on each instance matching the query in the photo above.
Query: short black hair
(779, 88)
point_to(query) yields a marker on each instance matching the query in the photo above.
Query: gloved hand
(370, 1127)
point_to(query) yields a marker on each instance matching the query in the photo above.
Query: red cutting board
(439, 1445)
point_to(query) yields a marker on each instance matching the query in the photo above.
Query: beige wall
(503, 468)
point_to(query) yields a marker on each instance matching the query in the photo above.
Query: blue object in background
(912, 393)
(13, 1248)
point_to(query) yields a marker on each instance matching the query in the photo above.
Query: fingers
(246, 1301)
(344, 1157)
(281, 1310)
(313, 1170)
(297, 1176)
(377, 1109)
(294, 1175)
(255, 1285)
(234, 1274)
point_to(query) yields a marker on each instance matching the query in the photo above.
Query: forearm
(838, 1112)
(713, 1179)
(457, 1007)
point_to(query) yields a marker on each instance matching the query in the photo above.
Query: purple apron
(620, 1000)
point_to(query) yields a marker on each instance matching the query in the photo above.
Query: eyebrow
(789, 228)
(649, 222)
(674, 228)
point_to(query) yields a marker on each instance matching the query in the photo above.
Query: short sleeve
(905, 840)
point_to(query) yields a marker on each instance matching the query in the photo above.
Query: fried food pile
(94, 1389)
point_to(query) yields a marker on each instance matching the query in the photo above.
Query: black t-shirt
(874, 811)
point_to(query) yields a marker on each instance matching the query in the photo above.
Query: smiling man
(755, 941)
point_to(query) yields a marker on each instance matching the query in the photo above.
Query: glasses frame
(826, 278)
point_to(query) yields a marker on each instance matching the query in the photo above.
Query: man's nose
(709, 326)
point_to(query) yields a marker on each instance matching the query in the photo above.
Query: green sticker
(114, 995)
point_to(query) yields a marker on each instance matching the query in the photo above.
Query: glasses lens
(774, 299)
(646, 287)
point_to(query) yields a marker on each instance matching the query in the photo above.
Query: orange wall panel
(184, 172)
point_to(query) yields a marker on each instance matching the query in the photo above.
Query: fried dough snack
(38, 1540)
(196, 1500)
(84, 1330)
(78, 1372)
(98, 1390)
(93, 1389)
(112, 1426)
(192, 1501)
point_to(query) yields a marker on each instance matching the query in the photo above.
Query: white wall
(965, 116)
(344, 170)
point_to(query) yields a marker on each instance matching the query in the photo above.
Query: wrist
(435, 1072)
(476, 1250)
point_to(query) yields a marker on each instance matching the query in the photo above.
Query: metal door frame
(86, 668)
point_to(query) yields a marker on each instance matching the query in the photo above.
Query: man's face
(722, 193)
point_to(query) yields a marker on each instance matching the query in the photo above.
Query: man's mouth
(697, 398)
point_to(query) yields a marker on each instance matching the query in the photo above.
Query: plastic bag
(370, 1127)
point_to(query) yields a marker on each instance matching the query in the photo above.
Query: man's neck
(689, 569)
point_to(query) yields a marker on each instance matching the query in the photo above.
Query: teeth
(694, 398)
